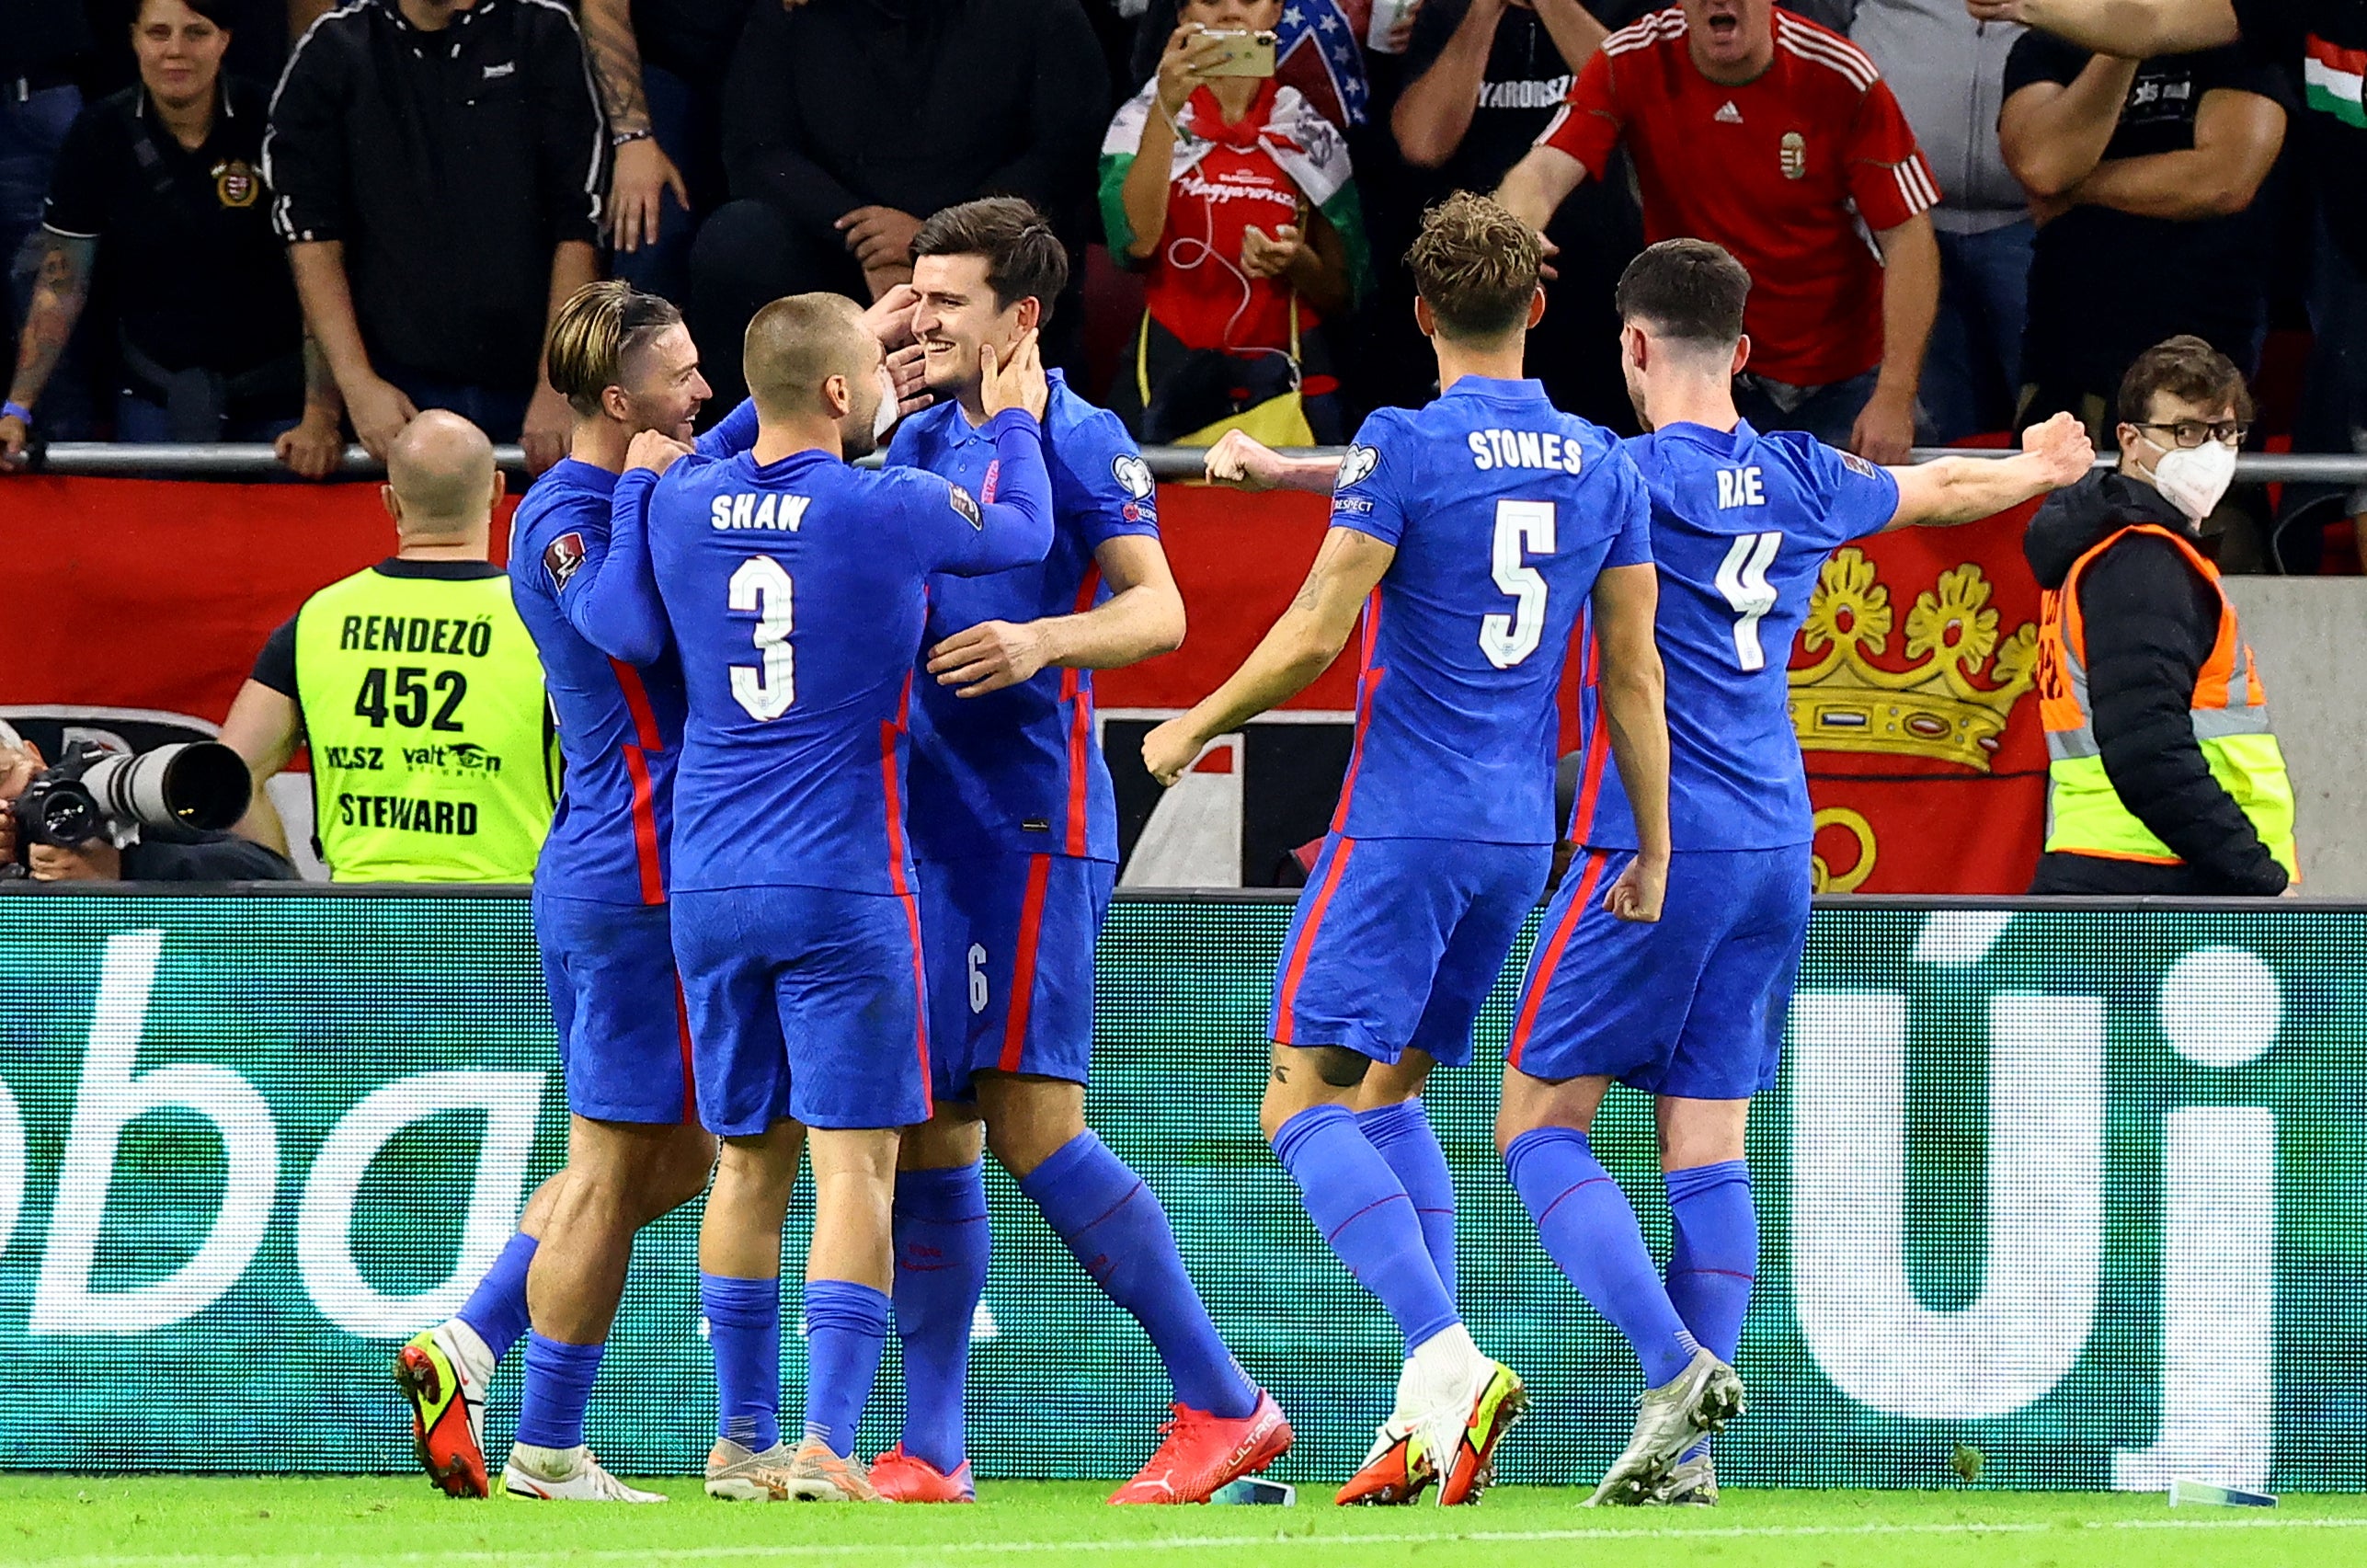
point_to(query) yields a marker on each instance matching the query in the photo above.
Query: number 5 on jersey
(1743, 579)
(762, 586)
(1521, 528)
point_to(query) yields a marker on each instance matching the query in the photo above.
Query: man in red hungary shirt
(1776, 139)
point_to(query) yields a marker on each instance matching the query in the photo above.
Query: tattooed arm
(1301, 646)
(644, 173)
(63, 290)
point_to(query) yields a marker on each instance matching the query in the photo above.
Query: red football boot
(908, 1478)
(1201, 1452)
(1396, 1472)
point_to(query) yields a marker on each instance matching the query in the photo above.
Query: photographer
(168, 854)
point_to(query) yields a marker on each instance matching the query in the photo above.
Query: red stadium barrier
(1928, 772)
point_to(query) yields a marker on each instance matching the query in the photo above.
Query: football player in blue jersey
(1692, 1010)
(1469, 535)
(794, 588)
(1015, 831)
(635, 1152)
(626, 365)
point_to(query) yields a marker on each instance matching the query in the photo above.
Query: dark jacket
(915, 105)
(2150, 624)
(174, 854)
(450, 165)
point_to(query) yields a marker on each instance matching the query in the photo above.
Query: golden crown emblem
(1936, 708)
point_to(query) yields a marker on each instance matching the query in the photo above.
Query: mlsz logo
(112, 1096)
(2218, 1008)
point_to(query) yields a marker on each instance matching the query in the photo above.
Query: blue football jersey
(619, 719)
(1503, 509)
(795, 591)
(1019, 769)
(1741, 525)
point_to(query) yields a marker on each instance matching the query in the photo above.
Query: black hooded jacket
(2150, 624)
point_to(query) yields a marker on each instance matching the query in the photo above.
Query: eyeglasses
(2191, 432)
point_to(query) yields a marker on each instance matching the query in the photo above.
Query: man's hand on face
(908, 368)
(1018, 385)
(890, 318)
(96, 861)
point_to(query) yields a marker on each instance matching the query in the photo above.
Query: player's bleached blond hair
(793, 345)
(1476, 267)
(599, 326)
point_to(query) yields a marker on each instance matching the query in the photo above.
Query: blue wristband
(16, 411)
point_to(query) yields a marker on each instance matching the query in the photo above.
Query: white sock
(467, 1347)
(1438, 1369)
(551, 1464)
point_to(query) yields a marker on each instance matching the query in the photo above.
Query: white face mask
(2192, 478)
(885, 419)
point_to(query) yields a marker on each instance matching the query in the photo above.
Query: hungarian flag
(2331, 76)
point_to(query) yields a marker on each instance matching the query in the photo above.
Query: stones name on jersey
(1522, 448)
(782, 514)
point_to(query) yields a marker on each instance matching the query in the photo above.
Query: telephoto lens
(199, 784)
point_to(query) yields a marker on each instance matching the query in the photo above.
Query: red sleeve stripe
(1916, 185)
(1560, 117)
(1823, 49)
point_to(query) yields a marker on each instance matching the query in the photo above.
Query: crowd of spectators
(273, 220)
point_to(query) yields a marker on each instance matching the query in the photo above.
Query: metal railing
(240, 461)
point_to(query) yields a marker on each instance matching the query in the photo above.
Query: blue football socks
(1364, 1212)
(1716, 1259)
(558, 1387)
(846, 1325)
(1405, 1138)
(1586, 1224)
(1116, 1228)
(941, 1242)
(744, 1330)
(497, 1307)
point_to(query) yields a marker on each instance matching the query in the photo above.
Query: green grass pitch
(153, 1521)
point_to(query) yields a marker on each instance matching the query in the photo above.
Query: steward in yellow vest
(417, 689)
(2163, 775)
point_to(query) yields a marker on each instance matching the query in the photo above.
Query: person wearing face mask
(796, 589)
(2163, 774)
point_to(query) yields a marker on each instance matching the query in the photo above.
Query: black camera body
(95, 792)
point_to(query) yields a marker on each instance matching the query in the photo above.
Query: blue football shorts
(1396, 942)
(624, 1040)
(1691, 1006)
(1010, 943)
(804, 1003)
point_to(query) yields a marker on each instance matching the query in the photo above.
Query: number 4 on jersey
(1743, 579)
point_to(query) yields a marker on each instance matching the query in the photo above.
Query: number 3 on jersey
(1521, 528)
(761, 586)
(1743, 579)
